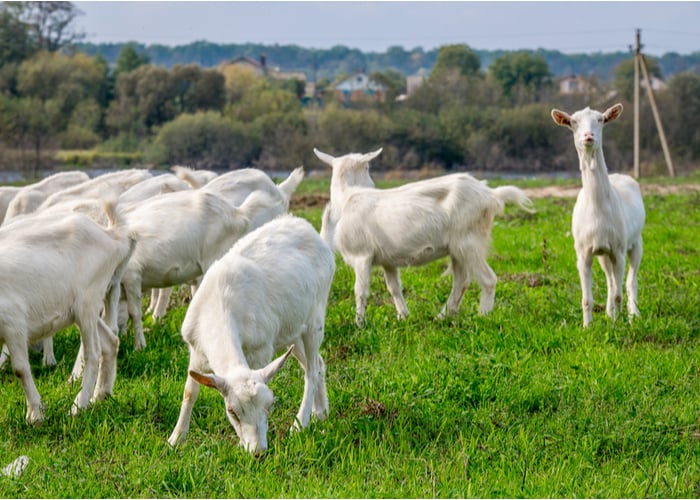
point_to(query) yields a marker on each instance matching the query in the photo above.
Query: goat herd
(76, 250)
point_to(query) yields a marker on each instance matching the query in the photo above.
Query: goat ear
(275, 365)
(612, 113)
(325, 158)
(561, 118)
(371, 156)
(209, 380)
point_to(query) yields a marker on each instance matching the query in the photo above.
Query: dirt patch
(308, 200)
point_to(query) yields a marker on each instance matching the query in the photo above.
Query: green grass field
(520, 403)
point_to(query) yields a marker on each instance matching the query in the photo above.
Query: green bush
(203, 140)
(75, 137)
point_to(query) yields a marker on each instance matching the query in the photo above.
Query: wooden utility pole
(637, 52)
(640, 61)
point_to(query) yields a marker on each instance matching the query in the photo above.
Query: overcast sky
(571, 27)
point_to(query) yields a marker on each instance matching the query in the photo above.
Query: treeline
(328, 63)
(55, 99)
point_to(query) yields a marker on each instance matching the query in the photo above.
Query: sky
(570, 27)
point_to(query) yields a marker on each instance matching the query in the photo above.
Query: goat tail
(290, 184)
(185, 174)
(512, 194)
(109, 205)
(328, 227)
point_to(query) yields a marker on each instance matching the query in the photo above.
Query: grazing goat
(179, 236)
(608, 216)
(86, 197)
(30, 197)
(234, 186)
(412, 225)
(55, 269)
(269, 291)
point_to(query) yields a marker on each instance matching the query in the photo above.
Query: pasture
(521, 403)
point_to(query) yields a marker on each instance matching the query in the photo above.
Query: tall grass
(521, 403)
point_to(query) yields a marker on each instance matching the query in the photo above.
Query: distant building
(574, 85)
(359, 87)
(414, 82)
(257, 67)
(260, 68)
(657, 84)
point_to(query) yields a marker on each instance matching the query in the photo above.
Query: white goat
(234, 186)
(179, 235)
(159, 184)
(94, 188)
(412, 225)
(29, 198)
(269, 291)
(87, 197)
(608, 216)
(48, 281)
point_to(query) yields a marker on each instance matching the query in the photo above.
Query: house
(257, 67)
(413, 83)
(574, 85)
(656, 84)
(359, 87)
(260, 68)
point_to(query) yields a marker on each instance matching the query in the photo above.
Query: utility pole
(637, 52)
(640, 61)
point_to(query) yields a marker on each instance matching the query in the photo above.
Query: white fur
(87, 197)
(95, 188)
(7, 194)
(159, 184)
(412, 225)
(608, 216)
(155, 185)
(194, 177)
(269, 291)
(30, 197)
(235, 186)
(48, 281)
(178, 236)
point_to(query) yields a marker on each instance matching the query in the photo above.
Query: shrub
(203, 140)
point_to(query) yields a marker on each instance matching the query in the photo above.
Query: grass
(520, 403)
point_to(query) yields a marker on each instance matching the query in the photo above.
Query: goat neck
(594, 173)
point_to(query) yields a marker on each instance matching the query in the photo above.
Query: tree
(57, 86)
(129, 59)
(520, 71)
(394, 81)
(16, 44)
(684, 131)
(459, 58)
(197, 89)
(48, 23)
(624, 75)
